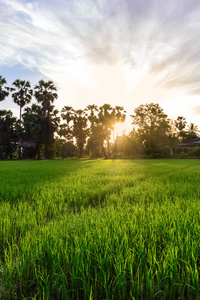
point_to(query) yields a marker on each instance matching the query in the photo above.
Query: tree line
(43, 132)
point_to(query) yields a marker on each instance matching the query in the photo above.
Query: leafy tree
(22, 94)
(120, 114)
(180, 124)
(106, 119)
(193, 129)
(45, 94)
(80, 130)
(32, 125)
(92, 117)
(50, 125)
(66, 130)
(93, 143)
(4, 91)
(8, 138)
(32, 122)
(64, 149)
(152, 125)
(132, 145)
(102, 123)
(192, 132)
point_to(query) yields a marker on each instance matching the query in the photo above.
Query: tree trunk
(46, 151)
(108, 145)
(39, 155)
(1, 154)
(19, 151)
(10, 152)
(80, 152)
(115, 149)
(103, 151)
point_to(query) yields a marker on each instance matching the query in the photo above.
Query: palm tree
(7, 133)
(32, 125)
(3, 92)
(193, 129)
(120, 116)
(93, 144)
(67, 114)
(92, 117)
(192, 132)
(23, 94)
(106, 117)
(180, 124)
(45, 93)
(80, 130)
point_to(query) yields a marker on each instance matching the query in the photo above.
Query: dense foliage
(43, 132)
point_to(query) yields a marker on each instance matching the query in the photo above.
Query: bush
(166, 151)
(154, 153)
(196, 152)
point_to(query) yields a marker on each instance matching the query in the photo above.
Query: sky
(121, 52)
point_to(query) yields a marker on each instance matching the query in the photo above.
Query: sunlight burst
(119, 129)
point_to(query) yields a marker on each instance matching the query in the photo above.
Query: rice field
(104, 229)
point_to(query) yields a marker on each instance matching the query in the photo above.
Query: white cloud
(139, 33)
(82, 41)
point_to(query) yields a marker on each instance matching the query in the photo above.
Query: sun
(119, 129)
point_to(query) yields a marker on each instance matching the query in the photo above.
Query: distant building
(28, 149)
(190, 144)
(28, 144)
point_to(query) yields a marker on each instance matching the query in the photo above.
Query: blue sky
(122, 52)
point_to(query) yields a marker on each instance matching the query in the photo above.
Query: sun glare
(119, 129)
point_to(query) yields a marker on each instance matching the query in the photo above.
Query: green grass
(105, 229)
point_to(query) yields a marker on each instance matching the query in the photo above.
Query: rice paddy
(104, 229)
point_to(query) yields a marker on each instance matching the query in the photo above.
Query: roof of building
(192, 143)
(28, 144)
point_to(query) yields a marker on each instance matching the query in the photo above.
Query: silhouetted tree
(193, 129)
(66, 129)
(80, 130)
(32, 125)
(4, 91)
(180, 124)
(93, 143)
(152, 125)
(92, 117)
(102, 121)
(22, 93)
(106, 119)
(191, 132)
(64, 148)
(8, 136)
(120, 114)
(45, 94)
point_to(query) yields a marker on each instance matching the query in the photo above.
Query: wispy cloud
(162, 37)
